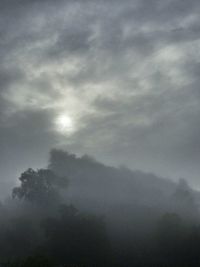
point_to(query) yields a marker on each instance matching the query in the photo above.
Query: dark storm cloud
(126, 72)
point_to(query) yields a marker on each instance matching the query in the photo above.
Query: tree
(76, 238)
(184, 202)
(39, 186)
(170, 238)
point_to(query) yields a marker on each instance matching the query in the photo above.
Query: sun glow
(64, 124)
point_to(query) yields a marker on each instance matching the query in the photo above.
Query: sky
(118, 80)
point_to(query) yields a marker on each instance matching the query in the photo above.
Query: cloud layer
(127, 73)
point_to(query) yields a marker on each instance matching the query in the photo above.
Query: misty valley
(80, 212)
(99, 133)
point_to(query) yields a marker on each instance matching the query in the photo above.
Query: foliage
(38, 186)
(76, 238)
(44, 230)
(178, 243)
(31, 261)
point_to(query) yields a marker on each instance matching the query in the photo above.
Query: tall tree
(39, 186)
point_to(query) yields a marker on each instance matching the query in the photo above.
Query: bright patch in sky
(64, 124)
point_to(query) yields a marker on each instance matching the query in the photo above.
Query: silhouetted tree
(74, 238)
(170, 238)
(31, 261)
(18, 238)
(38, 186)
(184, 202)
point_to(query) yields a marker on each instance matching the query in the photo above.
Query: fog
(99, 133)
(80, 212)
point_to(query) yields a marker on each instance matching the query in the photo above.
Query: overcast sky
(119, 80)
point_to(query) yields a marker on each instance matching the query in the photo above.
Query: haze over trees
(80, 212)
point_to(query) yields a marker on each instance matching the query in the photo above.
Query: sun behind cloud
(64, 124)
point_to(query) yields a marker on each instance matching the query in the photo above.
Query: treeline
(78, 212)
(37, 225)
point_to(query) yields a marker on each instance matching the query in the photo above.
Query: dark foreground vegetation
(78, 212)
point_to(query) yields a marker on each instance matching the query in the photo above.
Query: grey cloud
(129, 70)
(69, 43)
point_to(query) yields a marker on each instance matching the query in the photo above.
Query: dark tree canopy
(38, 186)
(76, 238)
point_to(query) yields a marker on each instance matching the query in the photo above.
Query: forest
(79, 212)
(99, 133)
